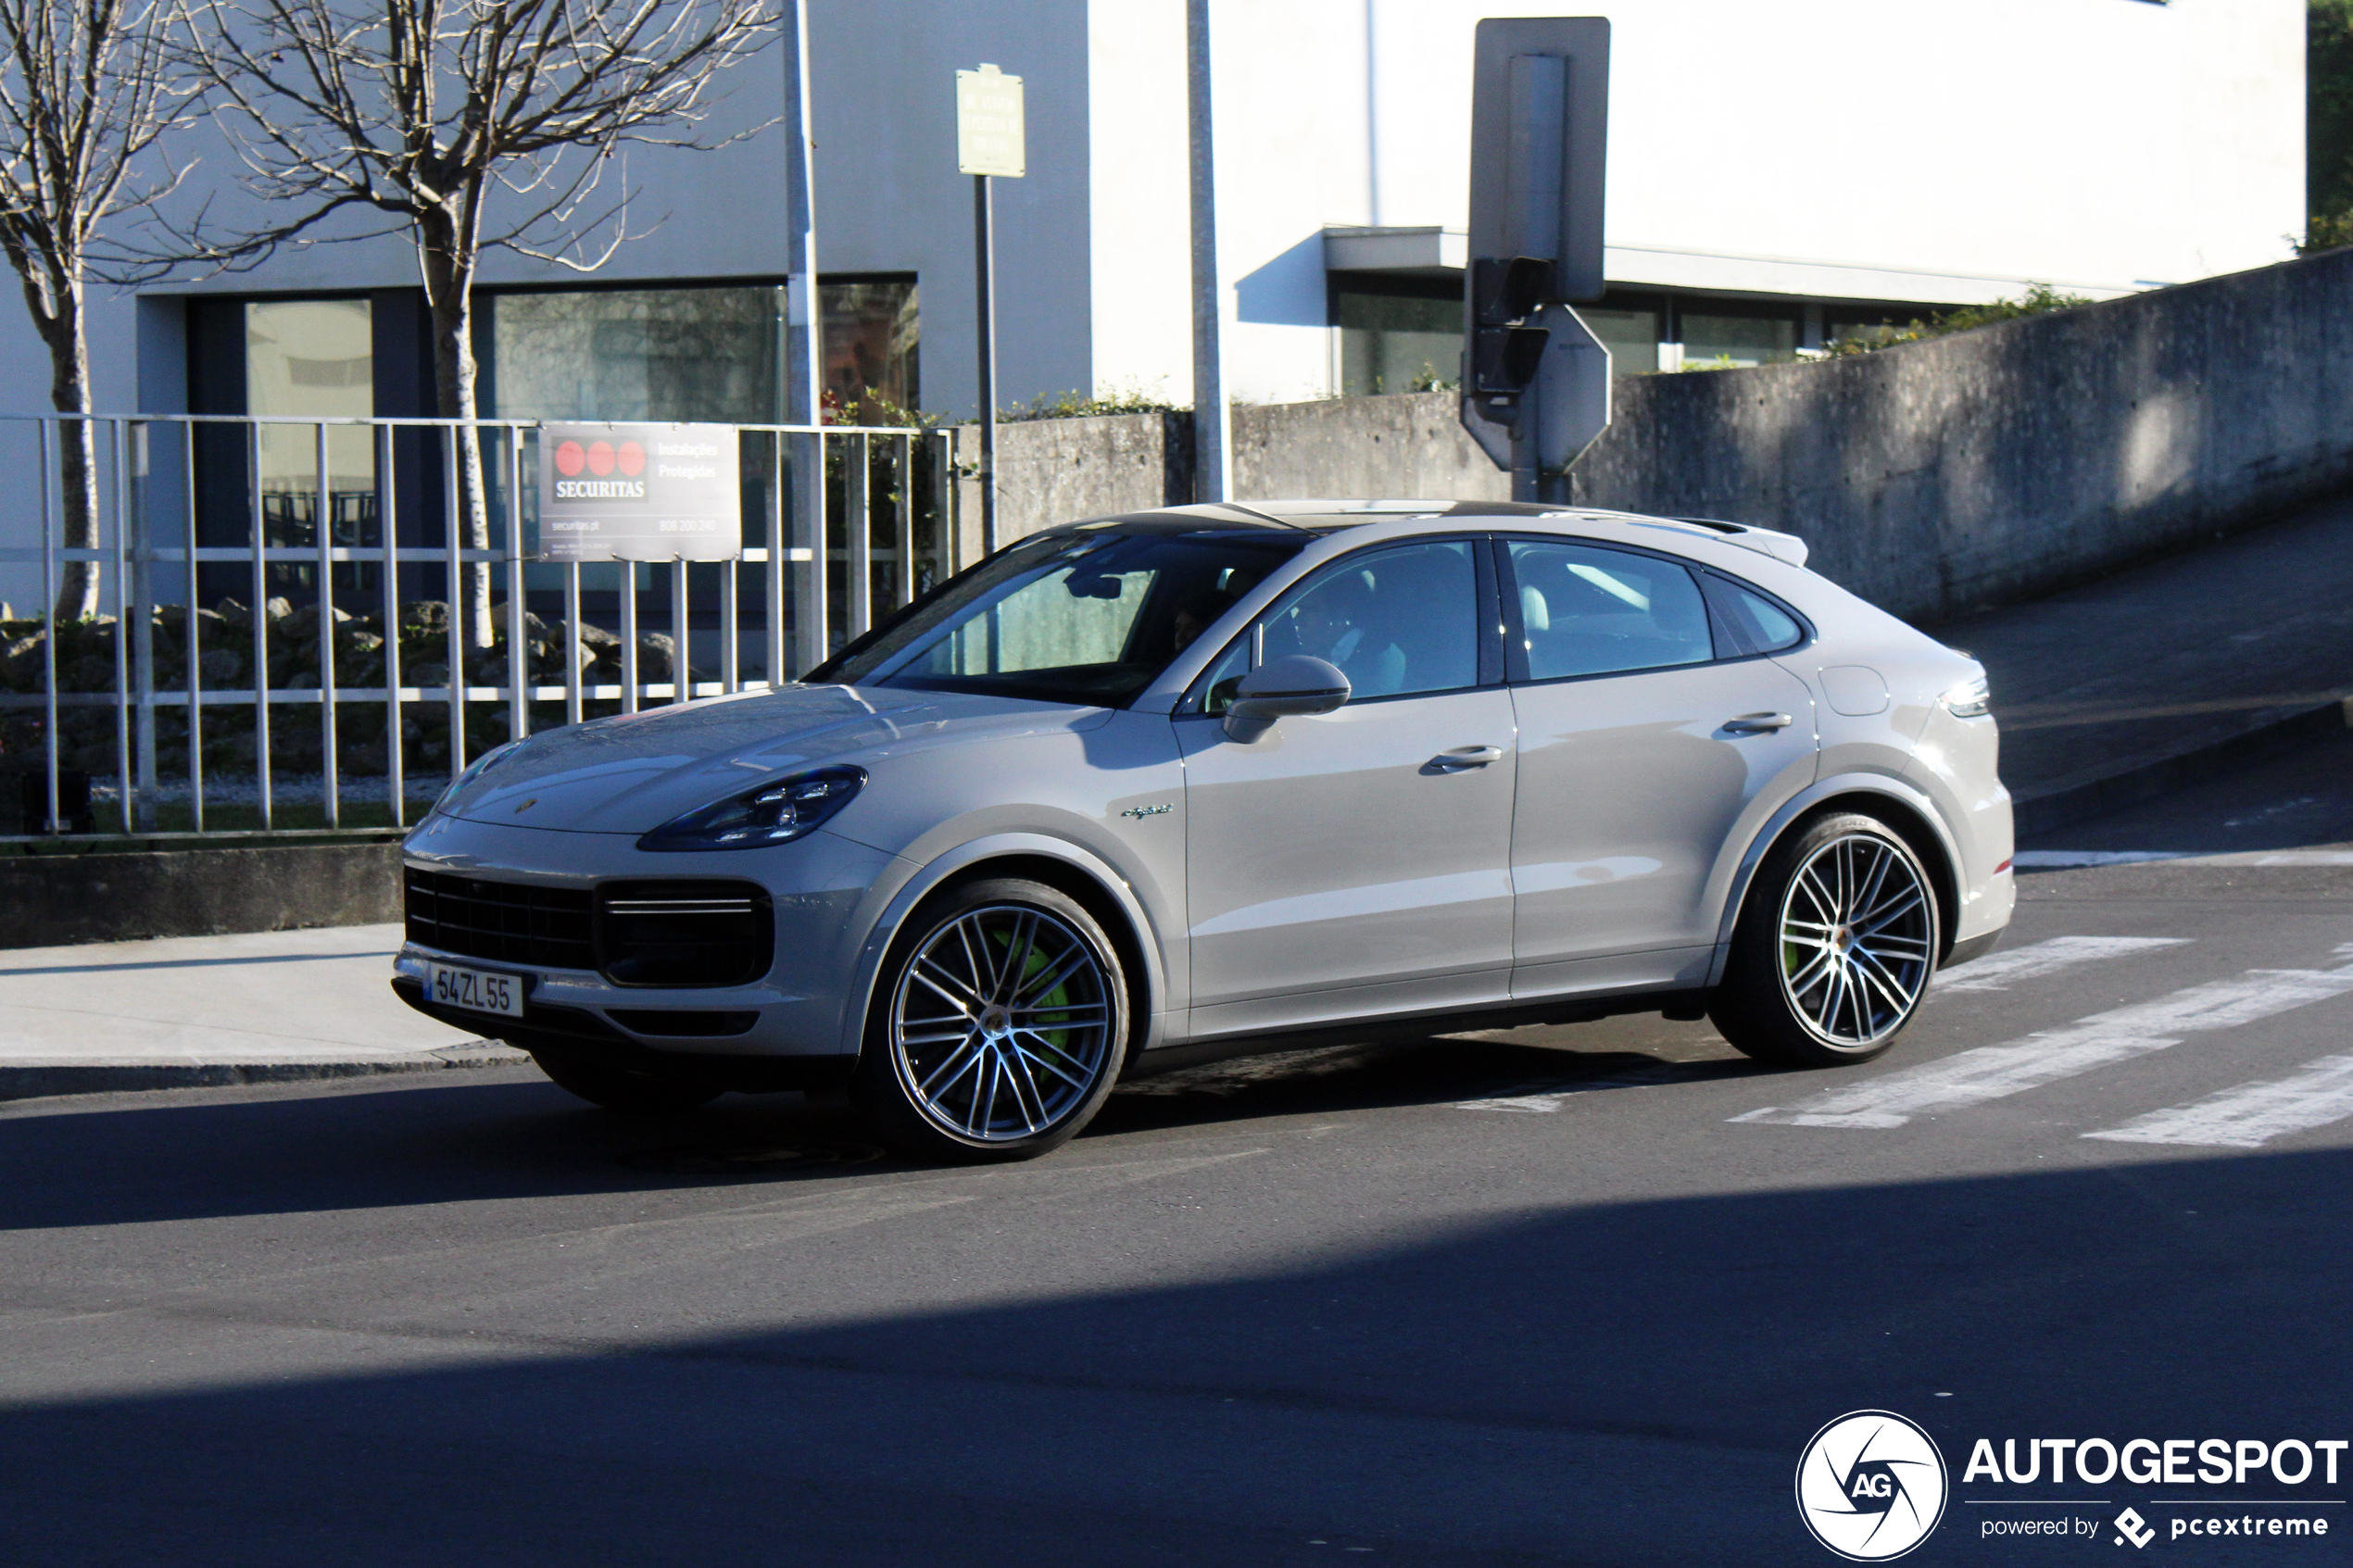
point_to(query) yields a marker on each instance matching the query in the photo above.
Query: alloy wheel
(1855, 935)
(1003, 1023)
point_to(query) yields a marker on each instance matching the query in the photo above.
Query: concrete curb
(41, 1080)
(2035, 814)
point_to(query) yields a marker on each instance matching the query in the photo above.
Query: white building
(1776, 173)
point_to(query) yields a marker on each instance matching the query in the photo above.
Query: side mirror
(1294, 685)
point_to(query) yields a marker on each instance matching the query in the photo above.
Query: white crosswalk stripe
(1989, 1073)
(1999, 971)
(2249, 1115)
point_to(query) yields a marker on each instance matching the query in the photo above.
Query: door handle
(1757, 724)
(1463, 757)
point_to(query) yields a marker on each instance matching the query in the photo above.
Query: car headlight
(1972, 699)
(777, 813)
(473, 771)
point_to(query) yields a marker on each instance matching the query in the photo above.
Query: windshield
(1090, 617)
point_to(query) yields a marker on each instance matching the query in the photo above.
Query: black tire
(998, 1025)
(1834, 949)
(615, 1088)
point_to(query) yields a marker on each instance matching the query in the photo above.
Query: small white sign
(989, 135)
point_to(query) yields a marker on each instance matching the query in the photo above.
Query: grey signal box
(1535, 379)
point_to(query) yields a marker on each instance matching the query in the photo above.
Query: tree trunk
(447, 262)
(65, 331)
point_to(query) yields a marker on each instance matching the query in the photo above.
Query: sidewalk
(191, 1010)
(2171, 672)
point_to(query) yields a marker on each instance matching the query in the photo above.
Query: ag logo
(1871, 1486)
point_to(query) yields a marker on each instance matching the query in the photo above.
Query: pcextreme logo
(1871, 1485)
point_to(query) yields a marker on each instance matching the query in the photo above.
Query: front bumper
(825, 892)
(570, 1035)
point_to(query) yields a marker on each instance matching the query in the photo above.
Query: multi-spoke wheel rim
(1857, 929)
(1003, 1024)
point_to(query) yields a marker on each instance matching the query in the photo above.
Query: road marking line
(1997, 972)
(1989, 1073)
(2069, 859)
(2250, 1115)
(1549, 1096)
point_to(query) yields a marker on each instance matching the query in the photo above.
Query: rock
(425, 616)
(277, 609)
(429, 674)
(234, 615)
(367, 756)
(221, 667)
(654, 657)
(304, 680)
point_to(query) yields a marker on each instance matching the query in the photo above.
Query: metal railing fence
(163, 718)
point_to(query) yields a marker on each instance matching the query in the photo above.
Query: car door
(1358, 863)
(1651, 737)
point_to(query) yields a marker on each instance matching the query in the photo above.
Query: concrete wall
(1996, 465)
(1933, 478)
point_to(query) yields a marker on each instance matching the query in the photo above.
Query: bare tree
(475, 125)
(87, 90)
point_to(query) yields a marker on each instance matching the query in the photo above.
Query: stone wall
(1933, 478)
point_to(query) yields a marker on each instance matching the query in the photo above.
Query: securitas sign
(638, 492)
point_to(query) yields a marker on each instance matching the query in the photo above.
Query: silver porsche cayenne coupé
(1154, 789)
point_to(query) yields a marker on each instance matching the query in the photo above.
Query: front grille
(683, 933)
(504, 921)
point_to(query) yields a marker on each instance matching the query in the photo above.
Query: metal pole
(260, 628)
(985, 284)
(775, 565)
(192, 645)
(131, 517)
(388, 536)
(1212, 424)
(51, 568)
(804, 337)
(858, 531)
(322, 537)
(803, 324)
(518, 643)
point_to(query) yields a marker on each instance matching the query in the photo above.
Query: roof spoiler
(1764, 541)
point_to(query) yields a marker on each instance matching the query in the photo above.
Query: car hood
(637, 772)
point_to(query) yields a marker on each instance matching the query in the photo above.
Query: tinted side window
(1586, 611)
(1758, 624)
(1397, 621)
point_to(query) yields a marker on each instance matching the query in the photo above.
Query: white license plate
(478, 989)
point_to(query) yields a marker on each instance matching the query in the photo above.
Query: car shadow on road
(499, 1133)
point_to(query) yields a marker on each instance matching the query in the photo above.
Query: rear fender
(1807, 800)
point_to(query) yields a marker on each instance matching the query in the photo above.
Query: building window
(691, 354)
(661, 354)
(1403, 334)
(1631, 338)
(312, 359)
(1725, 341)
(871, 341)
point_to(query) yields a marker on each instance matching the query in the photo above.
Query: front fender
(926, 879)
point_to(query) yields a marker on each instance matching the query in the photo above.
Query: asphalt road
(1569, 1296)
